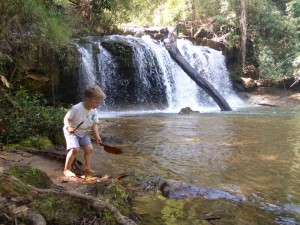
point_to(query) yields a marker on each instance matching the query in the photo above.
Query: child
(85, 112)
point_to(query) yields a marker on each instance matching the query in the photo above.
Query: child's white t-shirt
(79, 113)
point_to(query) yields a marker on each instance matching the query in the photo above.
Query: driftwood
(170, 44)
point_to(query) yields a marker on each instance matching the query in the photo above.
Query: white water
(180, 90)
(184, 90)
(87, 68)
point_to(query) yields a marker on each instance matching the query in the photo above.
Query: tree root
(96, 203)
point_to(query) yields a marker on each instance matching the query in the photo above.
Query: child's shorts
(77, 140)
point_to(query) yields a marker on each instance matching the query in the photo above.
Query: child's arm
(67, 123)
(96, 133)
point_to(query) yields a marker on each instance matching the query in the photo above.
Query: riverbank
(270, 96)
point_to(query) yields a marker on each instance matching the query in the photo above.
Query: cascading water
(139, 74)
(87, 68)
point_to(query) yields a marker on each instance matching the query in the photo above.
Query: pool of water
(249, 152)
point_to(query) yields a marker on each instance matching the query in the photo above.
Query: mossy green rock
(32, 176)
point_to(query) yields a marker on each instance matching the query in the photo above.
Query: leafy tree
(25, 116)
(271, 29)
(31, 31)
(274, 37)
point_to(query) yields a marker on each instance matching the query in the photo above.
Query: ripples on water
(253, 152)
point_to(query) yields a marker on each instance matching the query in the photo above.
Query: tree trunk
(243, 22)
(170, 44)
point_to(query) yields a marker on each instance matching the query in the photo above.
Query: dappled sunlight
(239, 143)
(269, 157)
(193, 139)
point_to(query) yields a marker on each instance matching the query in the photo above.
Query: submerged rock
(178, 190)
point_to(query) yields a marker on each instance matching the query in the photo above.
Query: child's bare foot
(69, 173)
(89, 171)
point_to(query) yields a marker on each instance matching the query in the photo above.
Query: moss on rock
(32, 176)
(63, 211)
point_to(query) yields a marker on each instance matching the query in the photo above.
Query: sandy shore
(269, 96)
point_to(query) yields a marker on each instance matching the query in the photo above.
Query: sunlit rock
(248, 83)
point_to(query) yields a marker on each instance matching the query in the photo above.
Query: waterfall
(87, 67)
(147, 78)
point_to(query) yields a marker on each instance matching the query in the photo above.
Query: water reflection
(254, 153)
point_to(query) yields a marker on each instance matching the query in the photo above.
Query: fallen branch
(170, 44)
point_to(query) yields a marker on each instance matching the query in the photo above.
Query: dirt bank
(53, 168)
(270, 96)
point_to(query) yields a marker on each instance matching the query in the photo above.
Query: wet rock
(130, 79)
(187, 110)
(142, 182)
(178, 190)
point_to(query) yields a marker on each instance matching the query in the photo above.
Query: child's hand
(99, 140)
(71, 130)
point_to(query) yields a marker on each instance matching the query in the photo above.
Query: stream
(253, 153)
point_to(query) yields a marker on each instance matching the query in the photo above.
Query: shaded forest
(36, 36)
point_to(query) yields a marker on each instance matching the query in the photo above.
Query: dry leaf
(4, 81)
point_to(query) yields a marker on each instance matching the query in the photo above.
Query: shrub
(26, 117)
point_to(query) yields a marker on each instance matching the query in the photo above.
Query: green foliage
(99, 6)
(46, 23)
(31, 33)
(29, 119)
(108, 15)
(13, 189)
(275, 39)
(108, 217)
(268, 65)
(36, 142)
(226, 20)
(174, 11)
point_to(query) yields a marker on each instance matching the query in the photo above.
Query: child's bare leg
(69, 160)
(88, 150)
